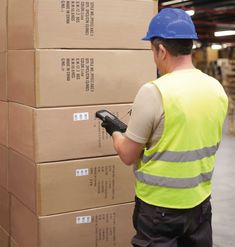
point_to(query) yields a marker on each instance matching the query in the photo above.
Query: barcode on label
(81, 116)
(82, 172)
(83, 219)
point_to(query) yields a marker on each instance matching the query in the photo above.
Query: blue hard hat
(171, 23)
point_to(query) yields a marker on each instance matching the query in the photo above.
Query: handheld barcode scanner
(108, 117)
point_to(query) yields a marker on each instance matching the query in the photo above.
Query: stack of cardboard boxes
(68, 59)
(228, 81)
(4, 194)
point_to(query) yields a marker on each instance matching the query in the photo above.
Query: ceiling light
(224, 33)
(196, 44)
(190, 12)
(173, 2)
(216, 46)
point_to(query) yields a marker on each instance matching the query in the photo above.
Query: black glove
(111, 125)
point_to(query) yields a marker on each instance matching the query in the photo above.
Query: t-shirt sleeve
(146, 110)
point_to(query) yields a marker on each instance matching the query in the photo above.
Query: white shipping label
(82, 172)
(81, 116)
(83, 219)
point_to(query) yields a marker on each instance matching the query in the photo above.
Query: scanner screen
(104, 114)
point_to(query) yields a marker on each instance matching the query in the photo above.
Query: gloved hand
(111, 125)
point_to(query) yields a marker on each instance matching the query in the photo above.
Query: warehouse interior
(215, 55)
(62, 183)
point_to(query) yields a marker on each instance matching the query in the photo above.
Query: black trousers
(164, 227)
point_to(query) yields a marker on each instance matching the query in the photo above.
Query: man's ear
(162, 52)
(153, 48)
(155, 53)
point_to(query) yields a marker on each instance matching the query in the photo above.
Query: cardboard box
(212, 55)
(4, 123)
(54, 134)
(78, 24)
(58, 187)
(4, 209)
(4, 167)
(102, 227)
(3, 76)
(13, 243)
(4, 238)
(3, 25)
(45, 78)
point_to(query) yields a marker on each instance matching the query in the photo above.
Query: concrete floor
(223, 195)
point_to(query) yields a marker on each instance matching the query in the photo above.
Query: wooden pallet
(231, 127)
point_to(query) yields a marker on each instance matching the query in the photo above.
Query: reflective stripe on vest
(173, 182)
(179, 156)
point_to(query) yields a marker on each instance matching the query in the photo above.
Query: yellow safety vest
(177, 171)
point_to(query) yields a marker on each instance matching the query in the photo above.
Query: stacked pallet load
(68, 59)
(4, 193)
(228, 79)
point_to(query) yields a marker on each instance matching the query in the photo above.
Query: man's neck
(180, 63)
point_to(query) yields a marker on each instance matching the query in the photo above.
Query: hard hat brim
(146, 38)
(149, 38)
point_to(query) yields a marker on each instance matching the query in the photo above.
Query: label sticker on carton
(83, 219)
(82, 172)
(81, 116)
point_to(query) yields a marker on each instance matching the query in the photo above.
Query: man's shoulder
(152, 85)
(149, 92)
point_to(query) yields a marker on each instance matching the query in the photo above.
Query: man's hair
(176, 47)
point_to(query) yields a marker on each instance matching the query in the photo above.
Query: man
(172, 136)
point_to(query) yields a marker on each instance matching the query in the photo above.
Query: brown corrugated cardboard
(24, 224)
(78, 24)
(4, 209)
(58, 187)
(3, 76)
(4, 123)
(4, 166)
(3, 25)
(13, 243)
(53, 134)
(4, 238)
(101, 227)
(45, 78)
(23, 179)
(155, 6)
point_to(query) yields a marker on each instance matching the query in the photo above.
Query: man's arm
(144, 118)
(129, 151)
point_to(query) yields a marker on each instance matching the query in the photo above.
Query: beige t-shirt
(147, 117)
